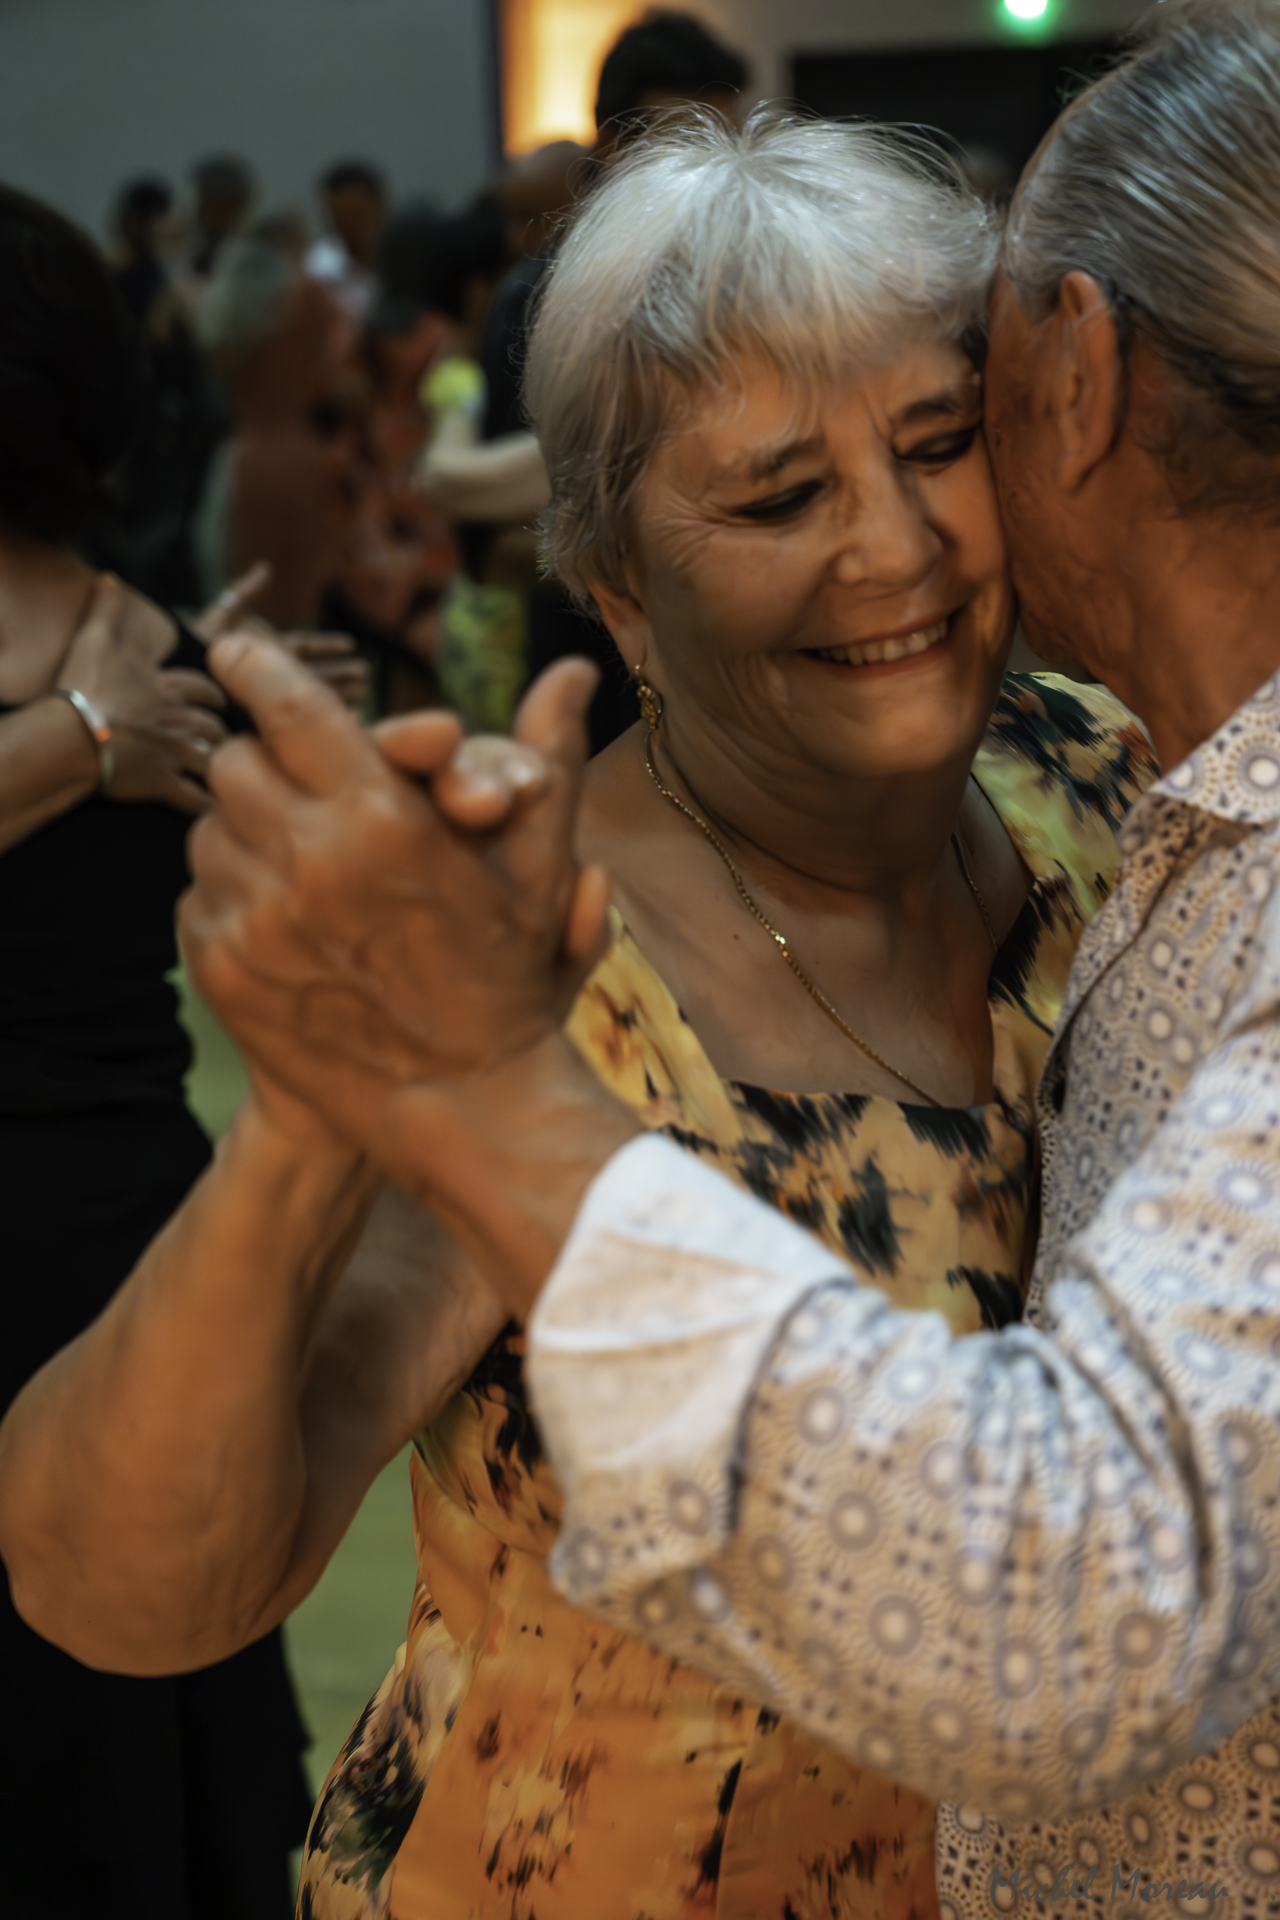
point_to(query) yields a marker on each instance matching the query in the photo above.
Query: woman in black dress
(158, 1799)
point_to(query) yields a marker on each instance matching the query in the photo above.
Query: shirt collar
(1235, 774)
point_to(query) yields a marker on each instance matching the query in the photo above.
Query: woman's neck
(801, 828)
(861, 879)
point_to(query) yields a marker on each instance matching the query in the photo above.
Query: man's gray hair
(1163, 182)
(823, 248)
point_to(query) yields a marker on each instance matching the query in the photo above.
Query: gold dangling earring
(650, 701)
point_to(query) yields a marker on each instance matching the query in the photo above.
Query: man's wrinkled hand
(355, 941)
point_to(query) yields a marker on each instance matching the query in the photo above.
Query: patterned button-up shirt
(1033, 1574)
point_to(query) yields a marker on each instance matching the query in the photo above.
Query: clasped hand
(375, 911)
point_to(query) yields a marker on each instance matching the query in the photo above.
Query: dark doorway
(995, 102)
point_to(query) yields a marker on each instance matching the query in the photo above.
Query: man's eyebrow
(767, 462)
(952, 403)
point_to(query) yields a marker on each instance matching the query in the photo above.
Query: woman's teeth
(877, 650)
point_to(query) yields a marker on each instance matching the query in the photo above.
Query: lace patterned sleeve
(1030, 1569)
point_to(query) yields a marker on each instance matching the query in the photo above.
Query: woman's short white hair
(825, 248)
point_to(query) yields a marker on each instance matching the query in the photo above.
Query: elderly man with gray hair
(1036, 1573)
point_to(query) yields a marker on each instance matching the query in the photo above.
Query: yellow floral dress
(523, 1762)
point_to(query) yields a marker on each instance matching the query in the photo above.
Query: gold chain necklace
(780, 939)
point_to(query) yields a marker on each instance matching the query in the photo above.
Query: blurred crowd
(318, 418)
(340, 398)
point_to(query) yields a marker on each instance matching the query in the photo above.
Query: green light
(1026, 9)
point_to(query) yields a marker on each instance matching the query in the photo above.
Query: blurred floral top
(523, 1761)
(481, 646)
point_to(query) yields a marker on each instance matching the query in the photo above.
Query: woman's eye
(943, 452)
(781, 506)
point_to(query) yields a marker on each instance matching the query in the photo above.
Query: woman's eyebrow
(767, 462)
(953, 403)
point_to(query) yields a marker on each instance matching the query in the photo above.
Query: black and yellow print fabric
(523, 1761)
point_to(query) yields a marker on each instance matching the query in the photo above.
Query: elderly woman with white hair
(851, 863)
(850, 867)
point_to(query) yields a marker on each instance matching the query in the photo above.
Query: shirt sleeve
(1033, 1569)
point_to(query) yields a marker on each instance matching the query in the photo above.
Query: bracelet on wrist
(99, 731)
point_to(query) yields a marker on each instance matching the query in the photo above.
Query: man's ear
(1088, 394)
(626, 620)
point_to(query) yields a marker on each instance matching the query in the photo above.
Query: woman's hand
(332, 657)
(163, 722)
(353, 941)
(405, 977)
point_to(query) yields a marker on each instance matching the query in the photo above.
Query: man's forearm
(505, 1159)
(1032, 1570)
(152, 1473)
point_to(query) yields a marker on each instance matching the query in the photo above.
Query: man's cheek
(999, 438)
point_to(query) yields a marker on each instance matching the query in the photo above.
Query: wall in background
(553, 47)
(551, 55)
(92, 91)
(772, 32)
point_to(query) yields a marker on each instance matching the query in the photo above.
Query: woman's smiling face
(824, 582)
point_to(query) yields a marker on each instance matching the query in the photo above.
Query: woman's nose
(885, 538)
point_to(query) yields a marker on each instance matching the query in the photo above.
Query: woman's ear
(626, 620)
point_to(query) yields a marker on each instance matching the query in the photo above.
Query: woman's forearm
(153, 1474)
(401, 1333)
(48, 764)
(502, 480)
